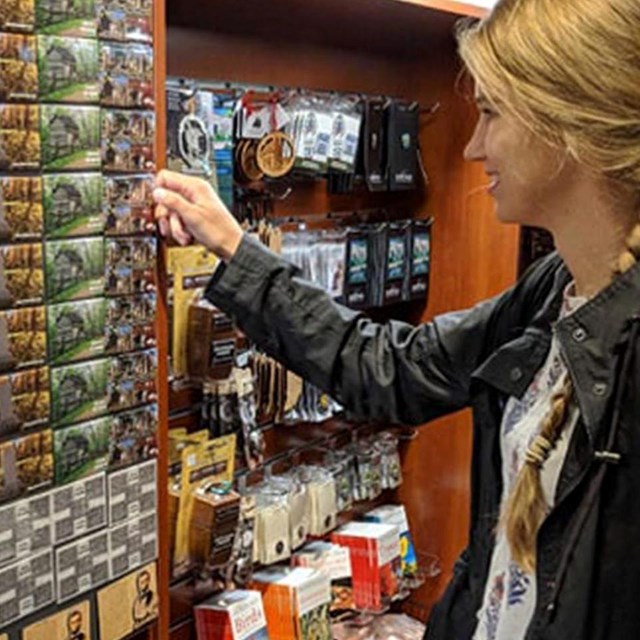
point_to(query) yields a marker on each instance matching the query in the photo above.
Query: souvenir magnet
(68, 70)
(79, 392)
(75, 269)
(71, 19)
(128, 140)
(26, 464)
(81, 450)
(21, 215)
(127, 205)
(18, 16)
(23, 338)
(71, 137)
(126, 75)
(18, 68)
(73, 205)
(20, 147)
(21, 275)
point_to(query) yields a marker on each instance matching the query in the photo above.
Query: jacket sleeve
(392, 372)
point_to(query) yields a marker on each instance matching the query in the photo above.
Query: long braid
(526, 507)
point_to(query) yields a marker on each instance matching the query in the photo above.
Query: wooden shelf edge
(450, 6)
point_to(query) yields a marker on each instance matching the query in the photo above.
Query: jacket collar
(589, 339)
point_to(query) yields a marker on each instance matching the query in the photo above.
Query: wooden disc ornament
(248, 163)
(275, 154)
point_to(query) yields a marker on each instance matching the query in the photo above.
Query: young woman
(550, 367)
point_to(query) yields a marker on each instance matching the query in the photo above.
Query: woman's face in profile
(527, 177)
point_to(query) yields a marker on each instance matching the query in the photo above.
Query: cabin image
(67, 204)
(64, 135)
(73, 393)
(70, 331)
(75, 452)
(69, 269)
(57, 10)
(61, 66)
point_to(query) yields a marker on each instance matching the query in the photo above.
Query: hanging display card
(133, 543)
(82, 565)
(79, 508)
(132, 492)
(25, 528)
(26, 587)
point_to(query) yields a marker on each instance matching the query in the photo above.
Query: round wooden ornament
(275, 155)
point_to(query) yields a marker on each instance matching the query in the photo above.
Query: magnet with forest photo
(81, 450)
(76, 330)
(72, 205)
(24, 400)
(75, 269)
(76, 19)
(21, 275)
(68, 70)
(23, 338)
(21, 214)
(20, 143)
(18, 68)
(79, 391)
(18, 16)
(70, 137)
(26, 464)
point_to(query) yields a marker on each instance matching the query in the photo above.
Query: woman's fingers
(170, 201)
(187, 186)
(177, 230)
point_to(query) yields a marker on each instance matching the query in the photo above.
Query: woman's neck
(590, 236)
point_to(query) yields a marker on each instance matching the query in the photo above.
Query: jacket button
(579, 334)
(599, 388)
(516, 374)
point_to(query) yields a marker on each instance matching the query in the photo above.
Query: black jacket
(589, 545)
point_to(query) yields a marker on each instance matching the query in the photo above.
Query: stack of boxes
(296, 603)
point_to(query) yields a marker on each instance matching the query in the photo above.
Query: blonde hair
(569, 70)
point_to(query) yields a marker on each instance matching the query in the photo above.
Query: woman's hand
(189, 209)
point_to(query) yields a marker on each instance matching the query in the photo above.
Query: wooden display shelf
(402, 48)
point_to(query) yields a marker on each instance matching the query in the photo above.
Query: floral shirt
(510, 593)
